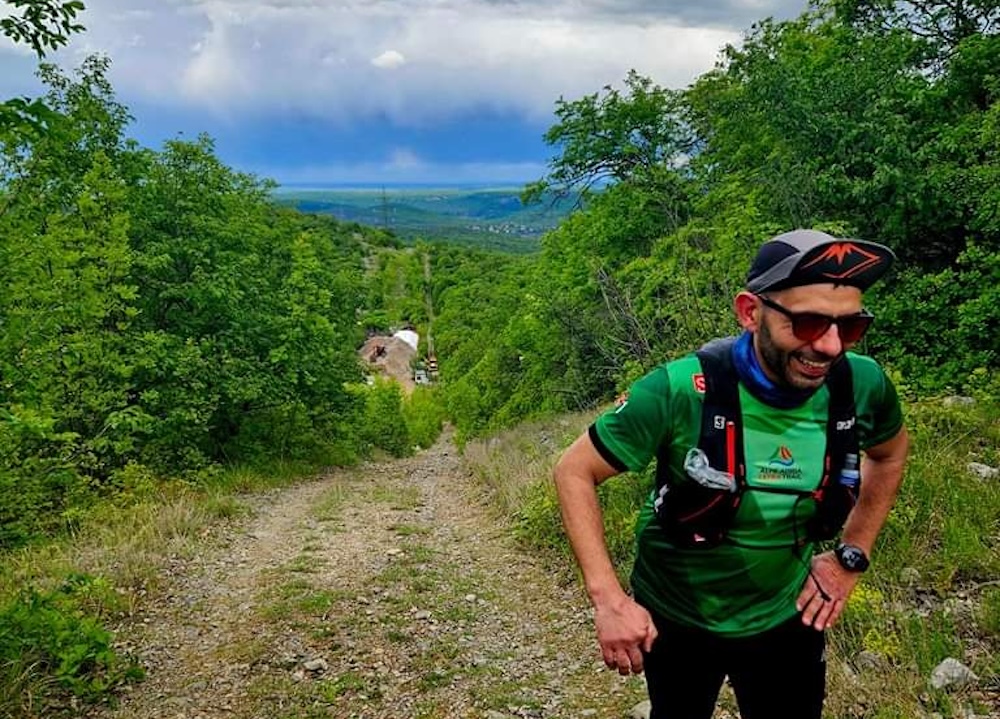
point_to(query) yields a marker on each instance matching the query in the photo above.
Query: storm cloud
(408, 63)
(414, 60)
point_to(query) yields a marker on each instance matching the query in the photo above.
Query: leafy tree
(942, 23)
(614, 136)
(962, 158)
(45, 25)
(940, 330)
(635, 146)
(42, 168)
(66, 304)
(835, 125)
(382, 422)
(157, 309)
(239, 304)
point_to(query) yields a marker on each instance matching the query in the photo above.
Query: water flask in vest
(850, 475)
(835, 501)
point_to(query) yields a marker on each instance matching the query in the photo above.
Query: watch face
(852, 558)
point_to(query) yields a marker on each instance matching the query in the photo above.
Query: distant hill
(482, 217)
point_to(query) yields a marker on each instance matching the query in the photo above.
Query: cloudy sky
(384, 91)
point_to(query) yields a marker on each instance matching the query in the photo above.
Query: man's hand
(821, 605)
(624, 630)
(882, 470)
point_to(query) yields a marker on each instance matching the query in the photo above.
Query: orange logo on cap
(848, 259)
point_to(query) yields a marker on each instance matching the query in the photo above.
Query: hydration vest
(693, 515)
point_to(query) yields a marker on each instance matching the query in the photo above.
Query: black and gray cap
(809, 257)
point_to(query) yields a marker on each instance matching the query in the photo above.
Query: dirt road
(388, 591)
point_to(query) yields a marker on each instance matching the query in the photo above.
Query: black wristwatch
(851, 558)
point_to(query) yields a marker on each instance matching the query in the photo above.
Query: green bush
(424, 416)
(942, 330)
(621, 499)
(539, 523)
(382, 424)
(52, 646)
(37, 486)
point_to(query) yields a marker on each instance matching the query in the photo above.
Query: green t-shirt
(749, 585)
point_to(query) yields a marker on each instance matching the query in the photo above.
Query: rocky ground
(388, 591)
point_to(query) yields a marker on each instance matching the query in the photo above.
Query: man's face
(790, 361)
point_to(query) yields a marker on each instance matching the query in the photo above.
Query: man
(729, 582)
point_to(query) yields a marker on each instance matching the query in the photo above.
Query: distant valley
(486, 217)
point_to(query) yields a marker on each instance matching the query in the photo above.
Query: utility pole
(432, 363)
(385, 210)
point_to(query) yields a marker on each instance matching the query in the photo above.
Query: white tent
(409, 337)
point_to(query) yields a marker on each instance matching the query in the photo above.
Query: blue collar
(752, 376)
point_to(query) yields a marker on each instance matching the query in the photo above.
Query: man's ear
(748, 311)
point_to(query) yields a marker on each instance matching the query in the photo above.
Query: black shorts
(778, 673)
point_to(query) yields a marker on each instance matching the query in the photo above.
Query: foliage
(382, 423)
(614, 135)
(158, 311)
(940, 329)
(944, 24)
(424, 417)
(52, 647)
(43, 24)
(828, 124)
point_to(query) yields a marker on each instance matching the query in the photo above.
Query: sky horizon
(383, 91)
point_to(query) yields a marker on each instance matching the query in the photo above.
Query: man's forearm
(881, 478)
(582, 519)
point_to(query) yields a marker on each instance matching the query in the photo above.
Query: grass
(296, 600)
(512, 464)
(932, 592)
(348, 684)
(408, 498)
(306, 564)
(249, 652)
(121, 548)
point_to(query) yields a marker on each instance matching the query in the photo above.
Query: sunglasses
(810, 326)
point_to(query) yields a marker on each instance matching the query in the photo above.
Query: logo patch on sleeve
(699, 382)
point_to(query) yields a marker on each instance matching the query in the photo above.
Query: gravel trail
(391, 590)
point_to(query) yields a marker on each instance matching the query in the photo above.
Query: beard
(786, 366)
